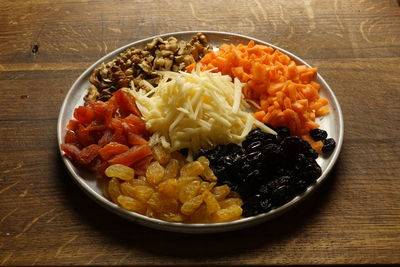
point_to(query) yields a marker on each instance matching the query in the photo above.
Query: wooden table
(45, 219)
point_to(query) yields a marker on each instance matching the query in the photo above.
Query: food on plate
(106, 133)
(196, 110)
(140, 66)
(267, 170)
(234, 136)
(175, 191)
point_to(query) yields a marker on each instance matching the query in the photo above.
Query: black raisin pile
(267, 170)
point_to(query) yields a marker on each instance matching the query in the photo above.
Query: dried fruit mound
(173, 190)
(105, 133)
(284, 91)
(267, 171)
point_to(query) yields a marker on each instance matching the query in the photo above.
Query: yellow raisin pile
(174, 190)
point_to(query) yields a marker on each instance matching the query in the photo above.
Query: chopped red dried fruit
(104, 133)
(84, 114)
(86, 155)
(134, 154)
(70, 150)
(73, 125)
(70, 137)
(127, 103)
(112, 149)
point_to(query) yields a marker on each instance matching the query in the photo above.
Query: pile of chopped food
(178, 132)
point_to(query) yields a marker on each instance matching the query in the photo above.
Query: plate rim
(197, 227)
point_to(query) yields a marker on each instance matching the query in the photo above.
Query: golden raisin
(114, 189)
(192, 205)
(169, 188)
(139, 192)
(211, 202)
(131, 204)
(155, 173)
(200, 215)
(183, 180)
(162, 204)
(188, 191)
(172, 217)
(161, 154)
(172, 169)
(228, 214)
(220, 192)
(229, 202)
(208, 174)
(120, 171)
(137, 181)
(127, 189)
(193, 168)
(206, 186)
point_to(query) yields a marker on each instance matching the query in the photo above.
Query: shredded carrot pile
(285, 92)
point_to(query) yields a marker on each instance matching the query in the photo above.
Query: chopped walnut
(135, 64)
(92, 94)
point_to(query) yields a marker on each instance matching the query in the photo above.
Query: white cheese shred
(196, 110)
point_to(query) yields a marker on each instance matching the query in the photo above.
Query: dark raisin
(272, 153)
(253, 174)
(282, 195)
(231, 148)
(211, 154)
(246, 168)
(318, 134)
(254, 146)
(220, 150)
(291, 145)
(301, 186)
(265, 205)
(282, 131)
(284, 180)
(329, 145)
(300, 160)
(254, 133)
(225, 161)
(251, 206)
(218, 170)
(264, 189)
(311, 171)
(254, 156)
(249, 183)
(311, 153)
(258, 134)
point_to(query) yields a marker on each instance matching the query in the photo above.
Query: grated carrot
(286, 92)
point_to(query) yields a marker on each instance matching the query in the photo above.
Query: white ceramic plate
(332, 123)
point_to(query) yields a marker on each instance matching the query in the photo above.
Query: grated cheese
(196, 110)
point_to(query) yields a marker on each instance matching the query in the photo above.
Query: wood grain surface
(45, 219)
